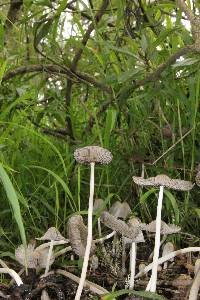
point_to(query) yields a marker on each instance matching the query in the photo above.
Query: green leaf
(186, 62)
(61, 181)
(197, 211)
(128, 75)
(2, 70)
(149, 295)
(173, 204)
(14, 202)
(110, 123)
(146, 195)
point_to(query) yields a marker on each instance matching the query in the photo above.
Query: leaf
(14, 202)
(186, 62)
(149, 295)
(173, 203)
(128, 75)
(45, 28)
(110, 123)
(197, 211)
(146, 195)
(162, 37)
(2, 70)
(61, 181)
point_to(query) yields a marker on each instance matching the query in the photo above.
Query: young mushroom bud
(90, 155)
(168, 248)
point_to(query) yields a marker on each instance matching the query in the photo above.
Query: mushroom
(77, 233)
(119, 210)
(160, 181)
(196, 283)
(51, 235)
(168, 248)
(98, 204)
(90, 155)
(134, 223)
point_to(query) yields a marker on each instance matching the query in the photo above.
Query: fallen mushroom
(90, 155)
(160, 181)
(52, 235)
(196, 283)
(13, 274)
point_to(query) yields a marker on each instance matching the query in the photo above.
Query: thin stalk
(13, 274)
(89, 236)
(167, 257)
(49, 258)
(153, 279)
(195, 287)
(133, 264)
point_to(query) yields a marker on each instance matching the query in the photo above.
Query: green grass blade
(148, 295)
(14, 202)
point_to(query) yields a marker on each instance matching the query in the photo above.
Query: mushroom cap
(120, 209)
(197, 178)
(77, 233)
(28, 257)
(165, 228)
(164, 180)
(95, 154)
(52, 234)
(119, 226)
(32, 257)
(135, 223)
(98, 203)
(168, 248)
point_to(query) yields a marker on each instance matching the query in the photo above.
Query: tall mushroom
(160, 181)
(90, 155)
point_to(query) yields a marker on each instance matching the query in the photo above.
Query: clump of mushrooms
(160, 181)
(90, 155)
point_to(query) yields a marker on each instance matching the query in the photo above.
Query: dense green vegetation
(121, 74)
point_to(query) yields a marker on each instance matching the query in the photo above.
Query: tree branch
(50, 68)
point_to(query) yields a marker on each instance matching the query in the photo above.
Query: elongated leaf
(2, 70)
(61, 181)
(110, 123)
(148, 295)
(173, 204)
(14, 202)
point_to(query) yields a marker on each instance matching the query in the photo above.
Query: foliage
(66, 83)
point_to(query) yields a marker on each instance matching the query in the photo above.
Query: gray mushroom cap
(120, 209)
(165, 228)
(164, 180)
(95, 154)
(98, 203)
(52, 234)
(135, 223)
(32, 257)
(77, 233)
(119, 226)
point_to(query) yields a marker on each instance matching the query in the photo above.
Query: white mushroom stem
(99, 227)
(152, 286)
(195, 287)
(55, 243)
(89, 236)
(132, 265)
(105, 237)
(166, 258)
(13, 274)
(49, 258)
